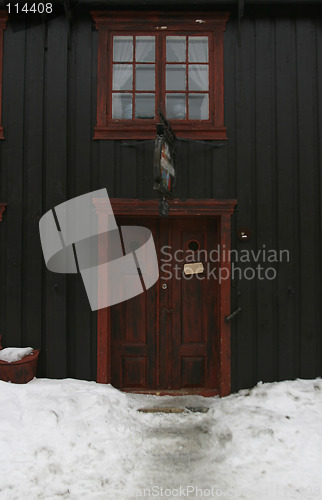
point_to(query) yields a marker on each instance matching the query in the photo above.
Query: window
(151, 61)
(3, 22)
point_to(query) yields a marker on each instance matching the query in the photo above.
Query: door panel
(167, 337)
(134, 331)
(195, 318)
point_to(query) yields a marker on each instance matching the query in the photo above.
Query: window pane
(122, 106)
(144, 106)
(176, 48)
(198, 49)
(176, 106)
(198, 107)
(145, 77)
(122, 77)
(145, 49)
(198, 77)
(176, 77)
(122, 48)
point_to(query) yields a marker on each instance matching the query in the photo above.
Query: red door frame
(222, 210)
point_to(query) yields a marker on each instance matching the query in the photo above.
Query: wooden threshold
(206, 393)
(168, 409)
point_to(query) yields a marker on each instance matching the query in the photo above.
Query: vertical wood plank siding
(271, 163)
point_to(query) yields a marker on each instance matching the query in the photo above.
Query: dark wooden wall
(271, 163)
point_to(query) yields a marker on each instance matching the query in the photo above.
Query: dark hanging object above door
(163, 207)
(164, 158)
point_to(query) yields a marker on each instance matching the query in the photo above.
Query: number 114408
(33, 8)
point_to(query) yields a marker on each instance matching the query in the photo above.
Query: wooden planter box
(20, 372)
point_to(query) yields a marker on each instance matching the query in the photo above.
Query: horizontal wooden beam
(206, 208)
(200, 3)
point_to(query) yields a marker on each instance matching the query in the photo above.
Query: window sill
(121, 131)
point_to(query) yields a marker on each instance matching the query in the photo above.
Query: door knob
(164, 286)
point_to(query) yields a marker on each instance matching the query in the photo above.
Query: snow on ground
(81, 440)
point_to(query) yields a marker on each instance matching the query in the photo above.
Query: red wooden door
(168, 337)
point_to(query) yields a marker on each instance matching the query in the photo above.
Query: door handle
(167, 310)
(233, 315)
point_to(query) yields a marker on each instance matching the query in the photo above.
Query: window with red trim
(3, 22)
(151, 62)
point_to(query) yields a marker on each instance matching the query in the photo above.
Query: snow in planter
(12, 354)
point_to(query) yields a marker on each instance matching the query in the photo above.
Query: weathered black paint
(271, 163)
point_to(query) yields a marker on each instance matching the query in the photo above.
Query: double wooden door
(167, 338)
